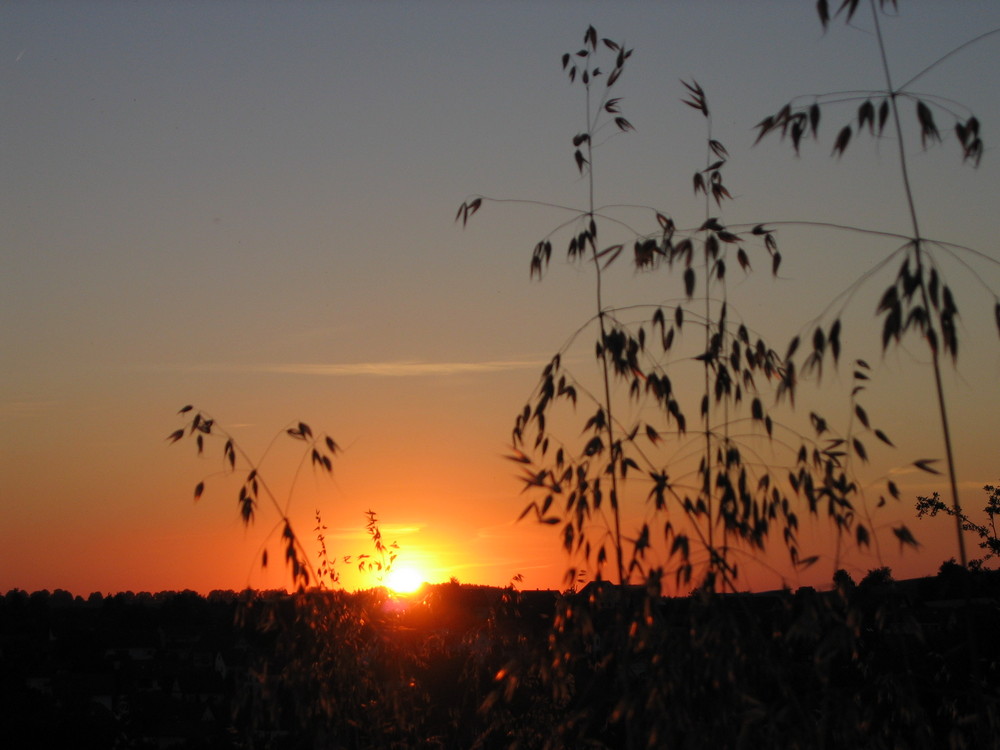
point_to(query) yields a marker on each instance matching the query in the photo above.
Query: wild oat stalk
(601, 111)
(635, 671)
(320, 451)
(588, 240)
(734, 495)
(919, 299)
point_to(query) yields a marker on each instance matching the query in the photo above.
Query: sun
(404, 580)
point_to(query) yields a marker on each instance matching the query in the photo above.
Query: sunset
(405, 580)
(499, 303)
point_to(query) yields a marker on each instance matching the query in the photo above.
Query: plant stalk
(930, 333)
(609, 421)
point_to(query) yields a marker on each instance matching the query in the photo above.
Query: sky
(249, 207)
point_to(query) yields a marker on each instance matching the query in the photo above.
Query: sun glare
(404, 580)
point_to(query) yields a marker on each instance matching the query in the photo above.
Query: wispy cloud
(389, 532)
(399, 369)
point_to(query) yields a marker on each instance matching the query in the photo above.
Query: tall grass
(838, 670)
(919, 302)
(711, 497)
(668, 467)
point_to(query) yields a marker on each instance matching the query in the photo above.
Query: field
(878, 664)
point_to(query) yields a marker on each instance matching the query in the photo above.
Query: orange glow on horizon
(405, 580)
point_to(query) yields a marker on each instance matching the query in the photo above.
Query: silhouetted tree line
(865, 664)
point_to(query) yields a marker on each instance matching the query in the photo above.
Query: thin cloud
(388, 531)
(401, 369)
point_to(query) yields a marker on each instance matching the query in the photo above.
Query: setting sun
(404, 580)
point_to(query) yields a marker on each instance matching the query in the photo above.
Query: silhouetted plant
(621, 666)
(820, 669)
(987, 532)
(919, 299)
(727, 506)
(881, 576)
(325, 663)
(320, 450)
(842, 580)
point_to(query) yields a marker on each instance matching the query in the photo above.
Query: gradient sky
(249, 207)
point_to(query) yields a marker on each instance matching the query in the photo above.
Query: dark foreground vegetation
(875, 664)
